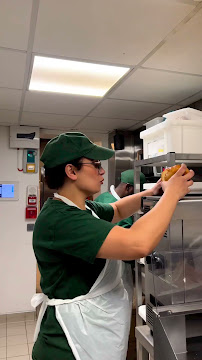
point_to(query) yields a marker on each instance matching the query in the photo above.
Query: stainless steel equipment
(173, 275)
(178, 332)
(173, 272)
(123, 159)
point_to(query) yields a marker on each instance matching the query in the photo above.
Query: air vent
(166, 234)
(149, 314)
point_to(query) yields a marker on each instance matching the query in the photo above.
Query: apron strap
(36, 300)
(65, 200)
(70, 203)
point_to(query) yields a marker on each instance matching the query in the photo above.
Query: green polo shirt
(107, 198)
(66, 241)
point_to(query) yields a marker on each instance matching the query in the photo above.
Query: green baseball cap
(128, 177)
(70, 146)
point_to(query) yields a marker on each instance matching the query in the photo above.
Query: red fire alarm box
(32, 200)
(31, 212)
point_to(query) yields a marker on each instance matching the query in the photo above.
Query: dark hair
(55, 177)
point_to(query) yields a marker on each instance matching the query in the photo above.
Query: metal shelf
(170, 159)
(143, 336)
(146, 344)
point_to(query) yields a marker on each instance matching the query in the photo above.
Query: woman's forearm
(144, 234)
(153, 225)
(128, 205)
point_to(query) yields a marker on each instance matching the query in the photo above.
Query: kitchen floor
(17, 332)
(16, 336)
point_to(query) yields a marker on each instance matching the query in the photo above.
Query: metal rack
(169, 159)
(145, 349)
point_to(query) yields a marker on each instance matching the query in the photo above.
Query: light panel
(73, 77)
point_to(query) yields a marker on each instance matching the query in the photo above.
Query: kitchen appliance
(173, 272)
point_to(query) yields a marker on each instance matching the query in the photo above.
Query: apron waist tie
(36, 300)
(43, 299)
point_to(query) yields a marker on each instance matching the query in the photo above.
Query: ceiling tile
(10, 99)
(59, 103)
(12, 69)
(113, 31)
(158, 86)
(165, 111)
(183, 51)
(192, 99)
(8, 117)
(123, 109)
(49, 121)
(136, 126)
(14, 23)
(161, 113)
(94, 123)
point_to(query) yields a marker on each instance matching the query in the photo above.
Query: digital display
(7, 191)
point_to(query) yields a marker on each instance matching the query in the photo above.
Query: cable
(19, 159)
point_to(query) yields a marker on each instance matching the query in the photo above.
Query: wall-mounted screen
(9, 190)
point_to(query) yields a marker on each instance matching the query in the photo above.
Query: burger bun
(169, 172)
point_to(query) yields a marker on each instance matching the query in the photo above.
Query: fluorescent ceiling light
(73, 77)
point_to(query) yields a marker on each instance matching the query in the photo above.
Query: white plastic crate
(181, 132)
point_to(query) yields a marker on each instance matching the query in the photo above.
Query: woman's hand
(156, 188)
(179, 184)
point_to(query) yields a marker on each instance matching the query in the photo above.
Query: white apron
(97, 324)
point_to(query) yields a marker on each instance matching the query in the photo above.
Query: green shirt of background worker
(124, 188)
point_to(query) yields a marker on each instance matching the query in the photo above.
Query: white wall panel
(17, 265)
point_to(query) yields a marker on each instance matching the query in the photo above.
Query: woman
(85, 313)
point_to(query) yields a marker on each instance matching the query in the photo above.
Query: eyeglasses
(96, 164)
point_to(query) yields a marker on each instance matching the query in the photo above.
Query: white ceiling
(160, 40)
